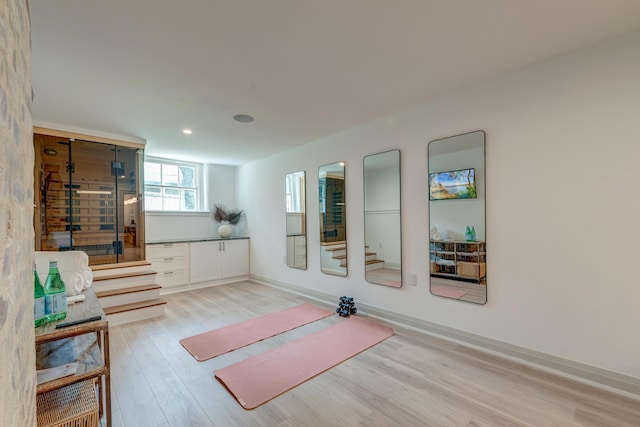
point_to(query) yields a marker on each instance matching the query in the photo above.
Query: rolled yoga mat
(260, 378)
(223, 340)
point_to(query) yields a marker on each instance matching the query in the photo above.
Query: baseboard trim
(613, 381)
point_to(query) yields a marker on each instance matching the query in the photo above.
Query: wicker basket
(72, 406)
(471, 269)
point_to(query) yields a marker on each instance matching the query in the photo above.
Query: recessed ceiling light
(187, 131)
(243, 118)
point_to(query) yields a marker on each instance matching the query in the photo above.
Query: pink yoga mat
(260, 378)
(219, 341)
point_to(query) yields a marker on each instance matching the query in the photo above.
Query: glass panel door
(89, 199)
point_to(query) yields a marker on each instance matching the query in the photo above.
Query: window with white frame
(171, 185)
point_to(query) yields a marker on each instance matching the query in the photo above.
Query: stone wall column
(17, 352)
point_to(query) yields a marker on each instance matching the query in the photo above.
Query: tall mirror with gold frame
(295, 202)
(457, 246)
(333, 219)
(382, 227)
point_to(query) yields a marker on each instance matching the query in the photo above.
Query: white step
(123, 280)
(374, 264)
(129, 295)
(102, 270)
(134, 312)
(370, 256)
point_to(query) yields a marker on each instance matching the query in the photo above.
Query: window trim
(199, 180)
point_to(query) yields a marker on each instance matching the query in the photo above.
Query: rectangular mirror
(457, 247)
(382, 226)
(295, 202)
(333, 220)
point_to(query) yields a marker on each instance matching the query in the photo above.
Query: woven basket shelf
(75, 405)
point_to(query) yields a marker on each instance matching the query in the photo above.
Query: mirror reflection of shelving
(458, 260)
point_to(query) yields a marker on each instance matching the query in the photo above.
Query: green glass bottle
(55, 294)
(38, 300)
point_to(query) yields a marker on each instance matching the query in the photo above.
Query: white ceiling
(304, 69)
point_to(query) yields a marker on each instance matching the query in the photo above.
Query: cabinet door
(204, 261)
(235, 258)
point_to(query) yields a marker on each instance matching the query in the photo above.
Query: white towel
(87, 276)
(76, 284)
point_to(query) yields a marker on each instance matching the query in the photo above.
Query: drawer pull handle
(168, 259)
(168, 273)
(168, 245)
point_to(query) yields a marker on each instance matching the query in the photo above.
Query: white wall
(562, 160)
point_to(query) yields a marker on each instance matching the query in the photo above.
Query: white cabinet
(204, 261)
(171, 262)
(220, 259)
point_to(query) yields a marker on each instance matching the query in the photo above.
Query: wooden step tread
(338, 242)
(125, 275)
(134, 306)
(100, 267)
(334, 249)
(373, 261)
(339, 257)
(369, 253)
(129, 290)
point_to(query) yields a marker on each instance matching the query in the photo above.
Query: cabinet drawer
(167, 279)
(165, 250)
(170, 263)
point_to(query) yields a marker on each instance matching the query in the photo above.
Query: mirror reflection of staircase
(334, 256)
(127, 291)
(371, 260)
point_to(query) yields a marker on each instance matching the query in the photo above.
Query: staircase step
(131, 289)
(337, 242)
(117, 265)
(110, 282)
(339, 256)
(103, 270)
(134, 306)
(123, 275)
(373, 264)
(335, 248)
(136, 311)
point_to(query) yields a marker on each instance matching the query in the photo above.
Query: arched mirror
(382, 230)
(333, 220)
(295, 202)
(457, 246)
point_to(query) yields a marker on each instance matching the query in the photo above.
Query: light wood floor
(409, 379)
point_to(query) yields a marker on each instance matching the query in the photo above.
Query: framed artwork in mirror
(333, 219)
(382, 219)
(457, 217)
(296, 220)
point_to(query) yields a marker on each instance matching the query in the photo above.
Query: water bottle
(473, 233)
(467, 234)
(55, 294)
(38, 300)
